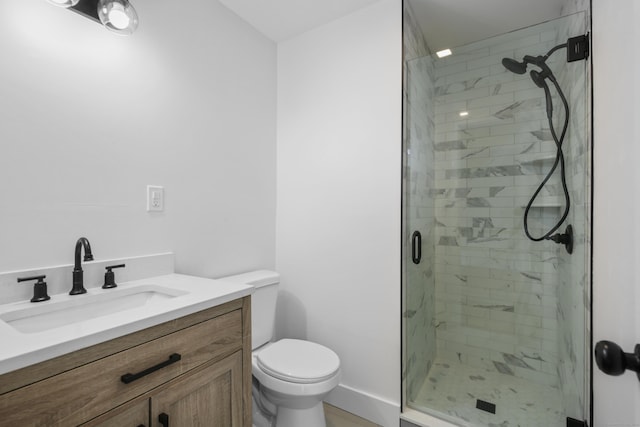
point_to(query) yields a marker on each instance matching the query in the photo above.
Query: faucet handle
(109, 277)
(39, 288)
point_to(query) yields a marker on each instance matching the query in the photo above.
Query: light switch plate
(155, 198)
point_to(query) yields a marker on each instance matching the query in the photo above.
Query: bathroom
(281, 155)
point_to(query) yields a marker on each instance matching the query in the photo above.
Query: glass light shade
(64, 3)
(118, 16)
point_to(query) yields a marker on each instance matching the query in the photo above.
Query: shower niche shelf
(537, 157)
(547, 203)
(541, 162)
(536, 160)
(545, 206)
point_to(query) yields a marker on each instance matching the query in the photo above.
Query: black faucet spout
(78, 279)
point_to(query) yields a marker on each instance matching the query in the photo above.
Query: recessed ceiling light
(464, 113)
(443, 53)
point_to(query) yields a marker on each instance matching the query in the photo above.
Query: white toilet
(290, 377)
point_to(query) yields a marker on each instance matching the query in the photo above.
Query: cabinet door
(206, 397)
(134, 414)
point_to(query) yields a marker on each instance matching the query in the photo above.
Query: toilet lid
(298, 361)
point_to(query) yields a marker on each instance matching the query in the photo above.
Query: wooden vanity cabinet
(183, 402)
(206, 397)
(131, 414)
(203, 378)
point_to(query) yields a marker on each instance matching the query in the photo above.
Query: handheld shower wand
(540, 78)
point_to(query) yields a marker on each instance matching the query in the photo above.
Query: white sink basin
(36, 332)
(78, 308)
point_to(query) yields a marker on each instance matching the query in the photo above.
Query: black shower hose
(559, 160)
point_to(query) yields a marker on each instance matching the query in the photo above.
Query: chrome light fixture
(64, 3)
(116, 15)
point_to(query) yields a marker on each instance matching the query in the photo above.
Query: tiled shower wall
(574, 291)
(496, 291)
(418, 180)
(503, 303)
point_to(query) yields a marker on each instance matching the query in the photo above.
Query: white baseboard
(373, 408)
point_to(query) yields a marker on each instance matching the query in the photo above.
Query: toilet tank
(263, 303)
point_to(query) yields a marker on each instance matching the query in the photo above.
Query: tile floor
(452, 389)
(336, 417)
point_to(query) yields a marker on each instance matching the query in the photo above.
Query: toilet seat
(298, 361)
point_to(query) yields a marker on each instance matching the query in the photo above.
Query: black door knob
(613, 361)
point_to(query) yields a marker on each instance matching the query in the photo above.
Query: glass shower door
(495, 324)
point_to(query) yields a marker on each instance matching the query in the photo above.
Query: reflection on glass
(490, 317)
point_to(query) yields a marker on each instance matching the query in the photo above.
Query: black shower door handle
(416, 247)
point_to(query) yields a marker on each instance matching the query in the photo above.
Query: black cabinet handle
(163, 419)
(127, 378)
(416, 247)
(613, 361)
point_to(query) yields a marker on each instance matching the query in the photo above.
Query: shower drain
(486, 406)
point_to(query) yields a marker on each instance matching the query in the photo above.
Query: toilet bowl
(295, 376)
(291, 377)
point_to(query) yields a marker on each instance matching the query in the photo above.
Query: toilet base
(309, 417)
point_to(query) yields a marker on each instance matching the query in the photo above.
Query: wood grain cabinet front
(206, 397)
(131, 414)
(198, 370)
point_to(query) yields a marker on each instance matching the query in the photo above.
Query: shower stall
(496, 326)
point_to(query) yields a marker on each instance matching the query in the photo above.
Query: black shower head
(514, 66)
(538, 78)
(521, 68)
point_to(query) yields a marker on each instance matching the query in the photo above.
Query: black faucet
(78, 284)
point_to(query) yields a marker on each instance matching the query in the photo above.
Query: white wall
(193, 96)
(338, 223)
(616, 299)
(89, 118)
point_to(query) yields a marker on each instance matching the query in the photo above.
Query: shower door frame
(405, 244)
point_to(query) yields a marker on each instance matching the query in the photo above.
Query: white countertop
(20, 349)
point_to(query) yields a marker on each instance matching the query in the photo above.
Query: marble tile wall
(501, 302)
(574, 6)
(574, 287)
(418, 179)
(497, 293)
(414, 44)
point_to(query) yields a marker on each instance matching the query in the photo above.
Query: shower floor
(451, 389)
